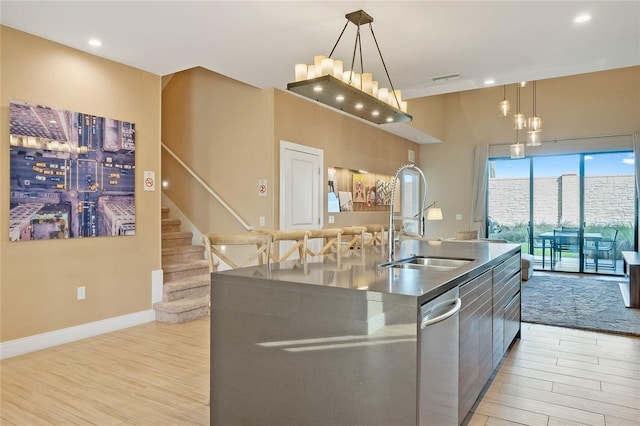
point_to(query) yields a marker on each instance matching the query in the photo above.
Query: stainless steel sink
(428, 263)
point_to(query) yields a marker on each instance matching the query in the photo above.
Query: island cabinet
(506, 306)
(359, 342)
(475, 363)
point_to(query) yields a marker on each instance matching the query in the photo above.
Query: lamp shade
(434, 213)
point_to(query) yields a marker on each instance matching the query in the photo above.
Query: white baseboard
(58, 337)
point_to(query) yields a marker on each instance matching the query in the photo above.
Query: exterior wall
(609, 200)
(38, 279)
(600, 103)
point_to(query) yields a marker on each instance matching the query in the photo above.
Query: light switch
(458, 216)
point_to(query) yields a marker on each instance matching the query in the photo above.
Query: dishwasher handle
(456, 303)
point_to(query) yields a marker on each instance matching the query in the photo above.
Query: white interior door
(301, 183)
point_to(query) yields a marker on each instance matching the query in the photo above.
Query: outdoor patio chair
(565, 240)
(607, 251)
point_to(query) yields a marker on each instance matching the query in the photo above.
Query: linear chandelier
(355, 93)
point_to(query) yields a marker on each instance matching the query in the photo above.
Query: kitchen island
(332, 342)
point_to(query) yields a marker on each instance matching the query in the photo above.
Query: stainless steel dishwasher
(438, 400)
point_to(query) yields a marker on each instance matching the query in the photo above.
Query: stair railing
(207, 188)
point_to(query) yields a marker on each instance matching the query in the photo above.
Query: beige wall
(602, 103)
(38, 279)
(229, 133)
(221, 128)
(347, 143)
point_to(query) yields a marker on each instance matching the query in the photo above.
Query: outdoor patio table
(551, 237)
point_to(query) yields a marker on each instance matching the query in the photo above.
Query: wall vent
(446, 77)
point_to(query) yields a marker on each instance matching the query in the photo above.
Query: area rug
(583, 303)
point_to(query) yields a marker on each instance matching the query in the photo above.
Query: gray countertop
(360, 270)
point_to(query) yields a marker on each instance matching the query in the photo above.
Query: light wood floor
(157, 374)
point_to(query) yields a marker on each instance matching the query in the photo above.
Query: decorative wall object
(367, 191)
(359, 183)
(346, 201)
(72, 174)
(383, 192)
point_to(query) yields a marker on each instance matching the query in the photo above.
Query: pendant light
(517, 149)
(535, 124)
(504, 105)
(347, 90)
(519, 120)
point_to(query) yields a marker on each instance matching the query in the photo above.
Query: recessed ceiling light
(359, 106)
(489, 81)
(375, 113)
(340, 98)
(582, 18)
(95, 42)
(317, 89)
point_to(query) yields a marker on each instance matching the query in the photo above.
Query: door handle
(456, 303)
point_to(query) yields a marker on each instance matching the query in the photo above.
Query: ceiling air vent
(446, 77)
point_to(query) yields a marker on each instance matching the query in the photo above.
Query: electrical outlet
(262, 219)
(458, 216)
(82, 293)
(331, 219)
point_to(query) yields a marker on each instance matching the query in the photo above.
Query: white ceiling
(258, 42)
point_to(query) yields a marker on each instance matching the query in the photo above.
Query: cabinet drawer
(507, 268)
(474, 294)
(511, 321)
(512, 287)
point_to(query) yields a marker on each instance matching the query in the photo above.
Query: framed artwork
(72, 174)
(359, 188)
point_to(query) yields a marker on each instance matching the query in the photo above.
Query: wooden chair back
(298, 238)
(213, 243)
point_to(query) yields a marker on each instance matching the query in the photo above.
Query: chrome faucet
(391, 232)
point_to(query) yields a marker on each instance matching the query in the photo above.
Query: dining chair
(565, 240)
(607, 250)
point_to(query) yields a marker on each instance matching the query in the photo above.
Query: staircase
(187, 282)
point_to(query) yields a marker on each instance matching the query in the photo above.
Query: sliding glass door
(609, 210)
(574, 213)
(556, 212)
(509, 195)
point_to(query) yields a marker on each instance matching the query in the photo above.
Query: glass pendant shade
(504, 107)
(519, 121)
(533, 138)
(517, 151)
(535, 124)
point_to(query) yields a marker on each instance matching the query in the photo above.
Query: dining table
(553, 237)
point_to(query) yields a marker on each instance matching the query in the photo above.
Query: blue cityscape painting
(72, 174)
